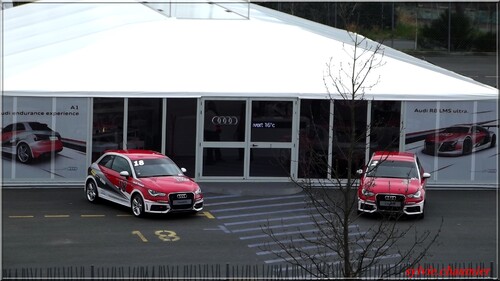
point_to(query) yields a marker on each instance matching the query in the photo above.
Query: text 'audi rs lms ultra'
(392, 182)
(144, 180)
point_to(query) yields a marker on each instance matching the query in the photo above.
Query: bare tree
(339, 244)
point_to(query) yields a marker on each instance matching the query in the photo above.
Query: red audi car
(30, 140)
(144, 180)
(392, 182)
(459, 140)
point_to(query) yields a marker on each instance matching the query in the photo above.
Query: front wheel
(137, 205)
(91, 192)
(467, 147)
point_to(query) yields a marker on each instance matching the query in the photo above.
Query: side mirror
(124, 174)
(183, 170)
(426, 175)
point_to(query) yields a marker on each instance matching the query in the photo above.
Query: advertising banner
(455, 141)
(44, 138)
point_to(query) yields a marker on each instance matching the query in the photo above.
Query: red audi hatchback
(392, 182)
(144, 180)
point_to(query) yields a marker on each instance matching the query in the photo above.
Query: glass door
(271, 144)
(223, 138)
(247, 139)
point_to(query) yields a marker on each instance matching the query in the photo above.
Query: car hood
(441, 137)
(392, 185)
(170, 184)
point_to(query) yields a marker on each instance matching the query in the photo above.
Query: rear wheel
(493, 141)
(137, 205)
(23, 153)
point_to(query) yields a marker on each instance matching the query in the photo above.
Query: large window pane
(181, 133)
(230, 163)
(349, 127)
(272, 121)
(385, 126)
(107, 126)
(270, 162)
(144, 124)
(224, 121)
(313, 140)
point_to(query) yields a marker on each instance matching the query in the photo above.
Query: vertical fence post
(492, 270)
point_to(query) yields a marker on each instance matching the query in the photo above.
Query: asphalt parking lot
(58, 227)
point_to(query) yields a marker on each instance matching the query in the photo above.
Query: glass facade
(247, 138)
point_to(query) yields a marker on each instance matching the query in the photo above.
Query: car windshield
(461, 130)
(392, 169)
(158, 167)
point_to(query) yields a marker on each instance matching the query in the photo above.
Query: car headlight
(367, 193)
(198, 191)
(155, 193)
(415, 195)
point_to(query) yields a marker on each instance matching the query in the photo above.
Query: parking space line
(294, 240)
(278, 234)
(92, 216)
(21, 217)
(206, 214)
(254, 200)
(127, 215)
(270, 220)
(56, 216)
(258, 207)
(263, 213)
(276, 226)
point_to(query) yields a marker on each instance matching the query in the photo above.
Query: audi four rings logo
(225, 120)
(390, 197)
(181, 196)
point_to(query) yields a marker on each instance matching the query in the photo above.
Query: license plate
(182, 202)
(390, 203)
(53, 138)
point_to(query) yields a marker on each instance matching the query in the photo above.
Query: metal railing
(249, 272)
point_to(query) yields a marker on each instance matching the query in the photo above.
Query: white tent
(86, 49)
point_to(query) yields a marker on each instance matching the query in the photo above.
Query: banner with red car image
(44, 138)
(456, 141)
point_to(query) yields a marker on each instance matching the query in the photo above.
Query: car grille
(390, 202)
(180, 201)
(447, 146)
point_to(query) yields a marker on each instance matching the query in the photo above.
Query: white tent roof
(131, 49)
